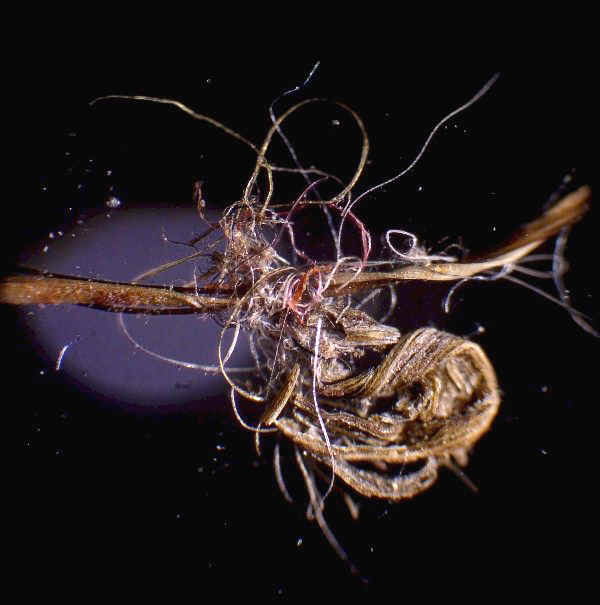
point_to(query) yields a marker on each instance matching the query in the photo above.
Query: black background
(181, 497)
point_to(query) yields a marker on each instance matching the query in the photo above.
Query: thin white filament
(504, 270)
(414, 245)
(482, 91)
(533, 272)
(558, 270)
(279, 475)
(209, 369)
(289, 146)
(392, 305)
(234, 340)
(318, 513)
(254, 429)
(294, 155)
(505, 273)
(560, 303)
(367, 299)
(317, 409)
